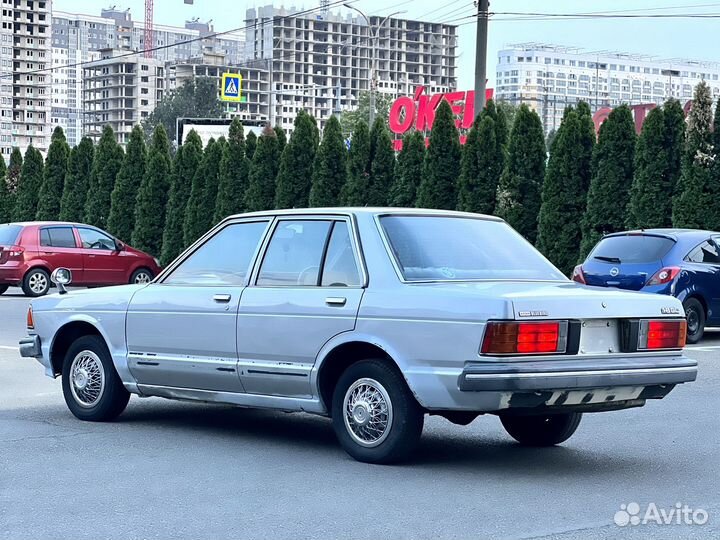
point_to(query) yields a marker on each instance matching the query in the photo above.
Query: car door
(181, 330)
(101, 258)
(58, 247)
(306, 290)
(703, 266)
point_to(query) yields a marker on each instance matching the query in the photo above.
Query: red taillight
(30, 321)
(524, 337)
(661, 334)
(15, 252)
(578, 274)
(664, 275)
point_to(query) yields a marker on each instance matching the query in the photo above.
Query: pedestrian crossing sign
(231, 89)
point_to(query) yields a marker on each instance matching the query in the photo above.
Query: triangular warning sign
(231, 87)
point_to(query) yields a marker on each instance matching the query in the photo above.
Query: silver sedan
(374, 317)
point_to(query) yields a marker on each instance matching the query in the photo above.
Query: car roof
(45, 223)
(673, 234)
(355, 210)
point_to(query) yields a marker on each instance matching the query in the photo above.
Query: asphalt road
(176, 470)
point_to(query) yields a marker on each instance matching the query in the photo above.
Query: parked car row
(373, 317)
(30, 252)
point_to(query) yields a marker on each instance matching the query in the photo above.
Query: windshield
(9, 234)
(635, 248)
(428, 248)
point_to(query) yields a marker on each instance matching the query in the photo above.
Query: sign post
(231, 88)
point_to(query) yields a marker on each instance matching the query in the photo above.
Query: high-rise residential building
(120, 91)
(255, 95)
(24, 96)
(322, 62)
(550, 77)
(79, 38)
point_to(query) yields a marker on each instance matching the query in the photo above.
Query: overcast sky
(665, 38)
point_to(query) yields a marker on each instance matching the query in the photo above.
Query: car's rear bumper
(30, 347)
(11, 273)
(576, 374)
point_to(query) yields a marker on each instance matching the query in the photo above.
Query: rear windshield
(431, 248)
(636, 248)
(9, 234)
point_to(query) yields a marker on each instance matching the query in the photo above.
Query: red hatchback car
(29, 252)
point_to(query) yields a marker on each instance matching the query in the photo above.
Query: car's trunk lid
(630, 276)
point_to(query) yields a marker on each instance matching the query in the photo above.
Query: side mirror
(61, 277)
(119, 246)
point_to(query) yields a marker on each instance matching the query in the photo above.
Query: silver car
(374, 317)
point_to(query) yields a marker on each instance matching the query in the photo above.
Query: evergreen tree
(107, 163)
(518, 198)
(354, 192)
(281, 137)
(6, 208)
(652, 188)
(382, 164)
(187, 160)
(263, 172)
(478, 188)
(408, 173)
(612, 176)
(439, 186)
(31, 179)
(14, 169)
(296, 165)
(712, 211)
(564, 197)
(54, 177)
(330, 169)
(469, 166)
(200, 209)
(587, 143)
(691, 200)
(152, 195)
(675, 126)
(80, 164)
(124, 196)
(251, 144)
(234, 174)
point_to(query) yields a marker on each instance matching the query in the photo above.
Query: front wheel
(140, 276)
(541, 429)
(92, 388)
(375, 416)
(695, 316)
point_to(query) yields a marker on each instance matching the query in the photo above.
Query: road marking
(704, 348)
(8, 347)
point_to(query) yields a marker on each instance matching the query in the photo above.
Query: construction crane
(149, 37)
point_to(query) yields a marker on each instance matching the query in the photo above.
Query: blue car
(684, 263)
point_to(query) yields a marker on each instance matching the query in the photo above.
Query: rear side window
(9, 234)
(706, 253)
(61, 237)
(636, 248)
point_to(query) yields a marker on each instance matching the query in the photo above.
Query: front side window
(224, 259)
(61, 237)
(444, 248)
(294, 254)
(706, 253)
(94, 239)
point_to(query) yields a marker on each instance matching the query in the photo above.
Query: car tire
(92, 388)
(378, 390)
(695, 316)
(36, 282)
(3, 288)
(141, 275)
(541, 429)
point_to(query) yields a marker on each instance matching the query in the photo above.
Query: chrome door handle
(222, 298)
(335, 301)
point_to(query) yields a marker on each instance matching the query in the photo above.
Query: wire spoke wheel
(87, 379)
(368, 412)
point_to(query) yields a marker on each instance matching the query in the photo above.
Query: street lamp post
(374, 34)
